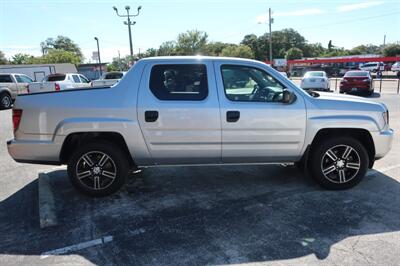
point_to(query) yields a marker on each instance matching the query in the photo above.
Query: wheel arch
(79, 138)
(359, 134)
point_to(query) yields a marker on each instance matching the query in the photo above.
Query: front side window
(248, 84)
(84, 80)
(25, 79)
(179, 82)
(18, 78)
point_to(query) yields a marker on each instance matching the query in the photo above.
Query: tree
(242, 51)
(330, 45)
(61, 43)
(365, 49)
(3, 59)
(391, 50)
(215, 48)
(167, 48)
(55, 56)
(293, 53)
(191, 42)
(20, 58)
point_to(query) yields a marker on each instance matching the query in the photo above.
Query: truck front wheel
(338, 163)
(98, 169)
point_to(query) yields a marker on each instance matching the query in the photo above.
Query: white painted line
(47, 209)
(76, 247)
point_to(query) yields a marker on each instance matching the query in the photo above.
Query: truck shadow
(203, 215)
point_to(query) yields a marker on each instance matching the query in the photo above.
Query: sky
(24, 24)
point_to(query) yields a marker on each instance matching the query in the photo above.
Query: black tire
(344, 175)
(5, 100)
(107, 175)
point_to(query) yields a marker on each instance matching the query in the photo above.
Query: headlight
(386, 117)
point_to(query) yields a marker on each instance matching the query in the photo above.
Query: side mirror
(288, 97)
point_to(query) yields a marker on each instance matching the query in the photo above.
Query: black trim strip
(38, 162)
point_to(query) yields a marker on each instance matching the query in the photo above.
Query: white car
(315, 80)
(373, 66)
(108, 79)
(396, 66)
(57, 82)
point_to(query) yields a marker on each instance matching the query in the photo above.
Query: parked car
(396, 66)
(357, 82)
(108, 79)
(59, 82)
(10, 86)
(181, 111)
(315, 80)
(373, 67)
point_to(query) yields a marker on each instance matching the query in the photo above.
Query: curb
(47, 210)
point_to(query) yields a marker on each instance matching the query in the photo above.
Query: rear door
(179, 114)
(256, 126)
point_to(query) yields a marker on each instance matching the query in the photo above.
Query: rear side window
(5, 79)
(179, 82)
(76, 79)
(55, 78)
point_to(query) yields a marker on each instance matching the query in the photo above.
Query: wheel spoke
(84, 174)
(331, 155)
(108, 174)
(347, 152)
(342, 176)
(329, 169)
(355, 166)
(96, 182)
(87, 160)
(103, 160)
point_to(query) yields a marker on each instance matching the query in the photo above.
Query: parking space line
(76, 247)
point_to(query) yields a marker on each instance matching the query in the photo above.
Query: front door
(179, 114)
(256, 126)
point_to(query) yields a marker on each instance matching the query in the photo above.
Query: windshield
(55, 78)
(356, 74)
(116, 75)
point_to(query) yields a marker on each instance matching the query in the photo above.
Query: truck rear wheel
(5, 100)
(98, 169)
(338, 163)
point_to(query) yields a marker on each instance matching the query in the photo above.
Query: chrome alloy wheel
(96, 170)
(6, 101)
(340, 164)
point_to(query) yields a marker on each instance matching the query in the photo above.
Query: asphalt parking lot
(250, 215)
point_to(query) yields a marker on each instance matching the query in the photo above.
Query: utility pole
(119, 61)
(384, 40)
(129, 23)
(98, 52)
(270, 20)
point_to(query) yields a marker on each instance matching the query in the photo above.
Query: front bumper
(34, 151)
(383, 142)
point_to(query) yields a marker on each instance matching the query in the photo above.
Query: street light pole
(98, 52)
(129, 23)
(270, 37)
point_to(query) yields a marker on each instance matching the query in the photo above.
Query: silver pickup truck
(199, 111)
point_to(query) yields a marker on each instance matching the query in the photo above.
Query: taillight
(57, 87)
(16, 116)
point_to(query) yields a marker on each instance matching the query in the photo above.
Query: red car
(357, 81)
